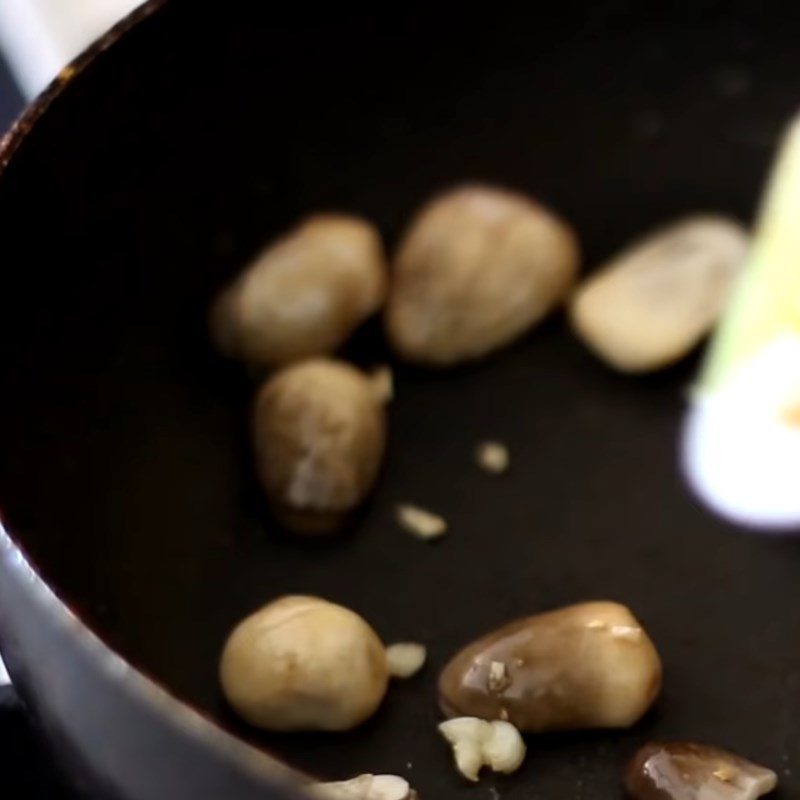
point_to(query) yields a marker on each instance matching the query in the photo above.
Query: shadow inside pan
(125, 467)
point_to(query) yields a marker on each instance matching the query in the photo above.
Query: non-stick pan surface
(124, 467)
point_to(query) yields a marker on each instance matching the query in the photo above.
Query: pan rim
(36, 108)
(191, 723)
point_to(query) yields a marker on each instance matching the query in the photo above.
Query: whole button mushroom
(478, 267)
(305, 294)
(319, 440)
(686, 771)
(589, 665)
(652, 303)
(302, 663)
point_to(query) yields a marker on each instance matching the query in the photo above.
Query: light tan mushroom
(304, 294)
(652, 303)
(302, 663)
(478, 267)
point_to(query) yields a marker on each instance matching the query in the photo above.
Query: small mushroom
(589, 665)
(477, 743)
(302, 663)
(305, 294)
(478, 267)
(365, 787)
(319, 439)
(652, 303)
(686, 771)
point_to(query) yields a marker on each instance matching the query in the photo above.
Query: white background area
(38, 37)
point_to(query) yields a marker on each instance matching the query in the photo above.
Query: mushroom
(319, 439)
(652, 303)
(478, 267)
(302, 663)
(686, 771)
(589, 665)
(304, 294)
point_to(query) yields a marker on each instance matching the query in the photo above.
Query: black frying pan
(136, 187)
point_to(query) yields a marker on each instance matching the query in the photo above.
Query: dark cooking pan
(153, 169)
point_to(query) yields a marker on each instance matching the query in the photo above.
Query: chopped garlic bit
(630, 632)
(477, 743)
(365, 787)
(419, 522)
(498, 678)
(492, 457)
(597, 625)
(383, 383)
(405, 659)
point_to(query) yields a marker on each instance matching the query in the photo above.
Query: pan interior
(125, 468)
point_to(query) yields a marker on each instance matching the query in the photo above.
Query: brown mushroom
(589, 665)
(319, 440)
(686, 771)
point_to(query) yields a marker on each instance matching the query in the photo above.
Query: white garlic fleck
(405, 659)
(492, 457)
(365, 787)
(419, 522)
(477, 743)
(498, 678)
